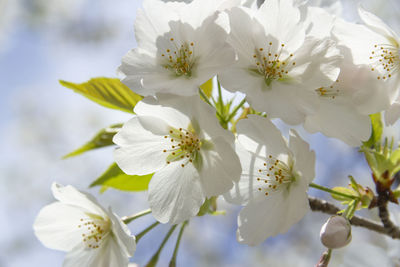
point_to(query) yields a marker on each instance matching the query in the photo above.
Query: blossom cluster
(292, 61)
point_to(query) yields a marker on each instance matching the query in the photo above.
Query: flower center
(179, 58)
(386, 59)
(329, 92)
(276, 175)
(270, 64)
(184, 145)
(94, 230)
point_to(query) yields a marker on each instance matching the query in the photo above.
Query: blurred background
(42, 41)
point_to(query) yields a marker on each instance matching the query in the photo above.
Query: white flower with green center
(278, 65)
(345, 105)
(92, 236)
(274, 182)
(180, 46)
(376, 45)
(180, 140)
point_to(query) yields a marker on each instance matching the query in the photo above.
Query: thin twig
(317, 204)
(325, 258)
(391, 229)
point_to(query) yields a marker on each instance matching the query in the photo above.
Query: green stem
(171, 230)
(205, 98)
(320, 187)
(221, 102)
(351, 209)
(128, 219)
(153, 261)
(145, 231)
(172, 263)
(233, 113)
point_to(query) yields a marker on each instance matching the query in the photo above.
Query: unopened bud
(336, 232)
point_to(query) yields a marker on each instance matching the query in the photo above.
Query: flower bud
(336, 232)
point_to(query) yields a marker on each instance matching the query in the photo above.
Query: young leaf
(114, 177)
(207, 87)
(343, 190)
(101, 139)
(377, 129)
(108, 92)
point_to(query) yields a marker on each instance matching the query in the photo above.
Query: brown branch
(391, 229)
(317, 204)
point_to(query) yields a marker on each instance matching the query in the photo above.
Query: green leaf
(207, 87)
(395, 156)
(377, 129)
(108, 92)
(114, 177)
(343, 190)
(101, 139)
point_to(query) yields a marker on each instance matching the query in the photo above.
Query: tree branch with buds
(391, 229)
(317, 204)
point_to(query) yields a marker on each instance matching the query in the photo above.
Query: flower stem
(145, 231)
(205, 98)
(233, 113)
(172, 263)
(323, 188)
(221, 102)
(153, 261)
(128, 219)
(351, 209)
(325, 258)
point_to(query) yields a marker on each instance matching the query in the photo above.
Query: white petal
(175, 193)
(152, 21)
(320, 21)
(244, 32)
(290, 103)
(215, 54)
(256, 132)
(122, 235)
(376, 23)
(282, 20)
(169, 108)
(340, 121)
(275, 215)
(180, 111)
(56, 226)
(108, 254)
(245, 189)
(138, 65)
(141, 151)
(71, 196)
(297, 202)
(208, 122)
(220, 167)
(303, 156)
(358, 38)
(322, 59)
(393, 113)
(362, 85)
(260, 220)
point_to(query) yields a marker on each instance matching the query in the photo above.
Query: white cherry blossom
(77, 224)
(376, 45)
(181, 141)
(180, 46)
(345, 105)
(274, 182)
(278, 65)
